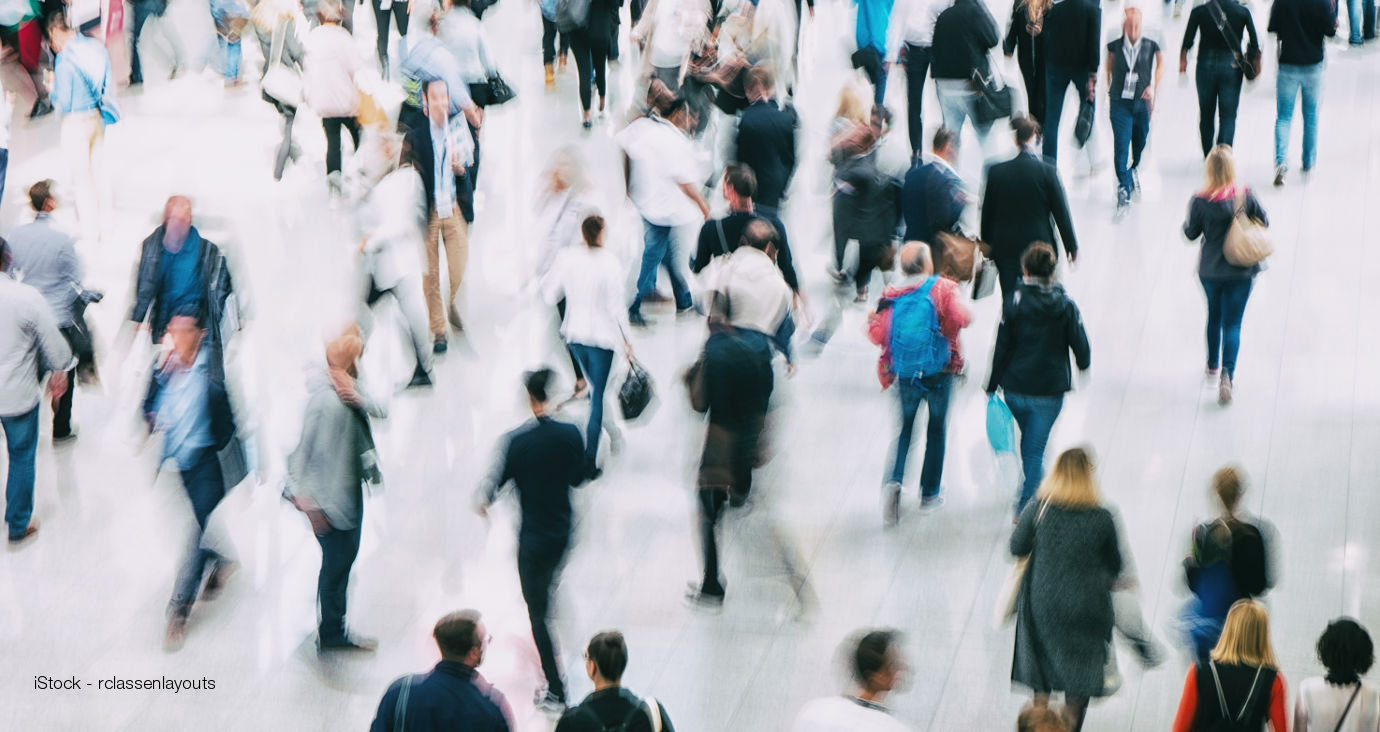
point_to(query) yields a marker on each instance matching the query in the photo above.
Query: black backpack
(647, 708)
(1233, 718)
(1238, 544)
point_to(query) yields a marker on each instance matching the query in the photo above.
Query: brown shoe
(550, 78)
(176, 634)
(1224, 390)
(453, 316)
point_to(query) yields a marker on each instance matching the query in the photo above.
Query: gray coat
(1064, 614)
(329, 465)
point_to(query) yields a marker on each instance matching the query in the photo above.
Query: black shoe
(347, 644)
(420, 378)
(453, 316)
(439, 345)
(636, 319)
(41, 107)
(549, 703)
(1280, 170)
(698, 599)
(64, 439)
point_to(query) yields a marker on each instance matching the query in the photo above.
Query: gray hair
(916, 258)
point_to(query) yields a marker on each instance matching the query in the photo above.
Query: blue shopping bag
(1001, 426)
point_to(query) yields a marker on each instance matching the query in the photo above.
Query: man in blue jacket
(453, 696)
(932, 198)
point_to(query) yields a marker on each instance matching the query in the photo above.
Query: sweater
(1238, 19)
(1211, 219)
(1301, 26)
(963, 36)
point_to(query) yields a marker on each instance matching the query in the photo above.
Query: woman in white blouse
(591, 281)
(1340, 701)
(565, 201)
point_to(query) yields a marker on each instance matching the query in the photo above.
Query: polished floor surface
(87, 597)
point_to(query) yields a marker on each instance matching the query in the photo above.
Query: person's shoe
(581, 391)
(1135, 184)
(560, 64)
(891, 504)
(1212, 373)
(586, 124)
(1280, 170)
(41, 107)
(862, 295)
(1224, 390)
(65, 439)
(549, 703)
(1150, 653)
(420, 378)
(737, 500)
(347, 644)
(1123, 204)
(550, 78)
(453, 316)
(1178, 10)
(691, 309)
(594, 474)
(219, 576)
(636, 320)
(700, 600)
(176, 633)
(28, 533)
(656, 297)
(438, 344)
(931, 504)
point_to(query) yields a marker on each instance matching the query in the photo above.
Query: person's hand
(363, 240)
(812, 11)
(1073, 257)
(1183, 66)
(57, 384)
(790, 370)
(627, 351)
(1092, 86)
(482, 510)
(1149, 97)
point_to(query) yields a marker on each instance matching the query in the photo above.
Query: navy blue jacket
(931, 201)
(766, 143)
(452, 697)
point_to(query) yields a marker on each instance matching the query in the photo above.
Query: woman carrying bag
(276, 23)
(1340, 701)
(1240, 687)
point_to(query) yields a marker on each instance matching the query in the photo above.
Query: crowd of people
(712, 118)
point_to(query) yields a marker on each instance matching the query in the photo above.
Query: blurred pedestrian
(424, 59)
(720, 237)
(453, 695)
(1040, 328)
(82, 83)
(276, 25)
(1134, 68)
(1240, 686)
(964, 36)
(589, 44)
(918, 37)
(766, 141)
(543, 458)
(877, 667)
(1329, 702)
(612, 705)
(1064, 613)
(1025, 38)
(1300, 26)
(462, 35)
(231, 17)
(1219, 26)
(932, 197)
(188, 405)
(864, 205)
(1227, 286)
(873, 22)
(326, 476)
(566, 199)
(30, 347)
(144, 11)
(1073, 39)
(331, 65)
(387, 12)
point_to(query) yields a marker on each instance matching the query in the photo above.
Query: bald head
(915, 259)
(759, 234)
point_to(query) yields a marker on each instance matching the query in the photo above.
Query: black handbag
(493, 92)
(1083, 130)
(636, 392)
(991, 102)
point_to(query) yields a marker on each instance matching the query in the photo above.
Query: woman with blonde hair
(1227, 286)
(1064, 615)
(1240, 685)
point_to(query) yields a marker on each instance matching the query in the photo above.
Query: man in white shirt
(877, 667)
(915, 56)
(659, 169)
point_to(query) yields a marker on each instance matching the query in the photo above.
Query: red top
(948, 306)
(1188, 704)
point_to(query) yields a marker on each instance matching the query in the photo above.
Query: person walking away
(548, 42)
(326, 474)
(1073, 35)
(230, 18)
(1242, 677)
(453, 695)
(874, 18)
(1064, 614)
(864, 206)
(1227, 286)
(589, 43)
(1134, 68)
(720, 237)
(330, 66)
(611, 704)
(1040, 327)
(590, 281)
(543, 458)
(1300, 27)
(387, 12)
(464, 37)
(1229, 561)
(917, 324)
(661, 180)
(82, 81)
(188, 405)
(144, 10)
(424, 59)
(964, 36)
(932, 197)
(30, 347)
(276, 24)
(45, 258)
(1340, 701)
(565, 202)
(1023, 203)
(914, 55)
(1026, 37)
(766, 141)
(878, 667)
(1218, 25)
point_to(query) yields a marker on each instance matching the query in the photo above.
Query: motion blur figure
(277, 24)
(612, 706)
(878, 668)
(453, 695)
(81, 79)
(330, 66)
(766, 141)
(565, 202)
(1240, 685)
(188, 405)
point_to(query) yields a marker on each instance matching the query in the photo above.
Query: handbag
(1084, 127)
(370, 113)
(992, 97)
(958, 256)
(491, 93)
(636, 392)
(1010, 593)
(695, 385)
(1001, 426)
(1248, 63)
(985, 281)
(281, 83)
(1246, 244)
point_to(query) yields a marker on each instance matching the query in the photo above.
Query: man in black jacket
(721, 236)
(932, 198)
(453, 696)
(611, 705)
(766, 141)
(1073, 45)
(964, 34)
(1023, 203)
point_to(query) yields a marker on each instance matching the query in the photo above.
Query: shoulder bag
(1248, 64)
(281, 83)
(992, 97)
(1222, 697)
(1246, 244)
(958, 256)
(1010, 592)
(400, 707)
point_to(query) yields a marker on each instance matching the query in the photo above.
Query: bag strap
(275, 52)
(654, 712)
(1219, 19)
(1221, 697)
(1250, 696)
(1347, 711)
(400, 708)
(723, 240)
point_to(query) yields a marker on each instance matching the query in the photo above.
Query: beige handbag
(1010, 592)
(1247, 243)
(958, 259)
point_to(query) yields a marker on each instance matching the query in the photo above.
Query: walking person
(1073, 39)
(1040, 328)
(590, 281)
(1134, 68)
(877, 667)
(917, 324)
(917, 39)
(544, 459)
(932, 198)
(611, 704)
(1300, 27)
(82, 81)
(1227, 286)
(589, 44)
(187, 403)
(766, 141)
(330, 65)
(1340, 701)
(30, 347)
(143, 11)
(1064, 614)
(964, 36)
(386, 12)
(1242, 678)
(453, 695)
(1025, 39)
(873, 21)
(566, 200)
(326, 476)
(230, 18)
(1023, 203)
(864, 204)
(464, 37)
(276, 25)
(722, 236)
(1218, 25)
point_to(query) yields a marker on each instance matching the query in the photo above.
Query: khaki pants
(454, 234)
(83, 146)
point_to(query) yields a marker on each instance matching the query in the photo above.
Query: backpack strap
(654, 711)
(1250, 696)
(1347, 711)
(400, 706)
(1221, 697)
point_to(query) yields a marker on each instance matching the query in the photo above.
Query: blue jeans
(142, 12)
(1355, 12)
(933, 390)
(595, 363)
(1292, 81)
(339, 547)
(230, 53)
(1057, 81)
(4, 168)
(1226, 301)
(205, 488)
(1035, 416)
(1219, 93)
(21, 439)
(659, 250)
(1130, 127)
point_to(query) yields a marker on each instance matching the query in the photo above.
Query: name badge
(1129, 91)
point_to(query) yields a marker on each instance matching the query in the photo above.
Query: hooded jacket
(1039, 327)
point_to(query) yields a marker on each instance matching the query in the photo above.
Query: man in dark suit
(438, 152)
(766, 141)
(1023, 203)
(932, 198)
(1073, 49)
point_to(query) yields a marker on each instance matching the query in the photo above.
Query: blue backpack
(918, 347)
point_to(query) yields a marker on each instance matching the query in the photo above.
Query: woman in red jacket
(1241, 682)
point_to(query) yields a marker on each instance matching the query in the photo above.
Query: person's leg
(62, 410)
(1354, 11)
(1207, 82)
(1213, 289)
(1311, 91)
(579, 48)
(1140, 131)
(455, 235)
(232, 61)
(635, 8)
(1235, 293)
(548, 41)
(431, 281)
(711, 506)
(1057, 81)
(656, 240)
(352, 124)
(77, 133)
(1286, 90)
(536, 575)
(280, 160)
(596, 364)
(917, 65)
(381, 22)
(680, 290)
(331, 125)
(1076, 709)
(1121, 117)
(141, 16)
(937, 396)
(877, 73)
(1035, 416)
(574, 361)
(408, 294)
(598, 60)
(21, 442)
(909, 396)
(1368, 20)
(338, 551)
(205, 489)
(1228, 100)
(1008, 277)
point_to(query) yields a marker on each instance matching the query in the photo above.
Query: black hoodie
(1039, 326)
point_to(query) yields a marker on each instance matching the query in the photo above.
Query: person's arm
(1255, 210)
(1094, 31)
(1110, 61)
(64, 84)
(789, 153)
(1001, 353)
(879, 324)
(1023, 536)
(493, 482)
(1152, 92)
(786, 263)
(1013, 29)
(1301, 711)
(54, 353)
(383, 720)
(1188, 703)
(987, 216)
(988, 35)
(704, 247)
(1077, 338)
(1190, 33)
(1062, 220)
(1253, 46)
(1272, 25)
(1193, 225)
(70, 264)
(692, 192)
(1111, 551)
(1279, 719)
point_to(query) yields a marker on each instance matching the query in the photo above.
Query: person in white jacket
(565, 201)
(591, 281)
(1341, 701)
(328, 81)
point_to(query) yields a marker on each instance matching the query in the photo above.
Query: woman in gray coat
(1064, 614)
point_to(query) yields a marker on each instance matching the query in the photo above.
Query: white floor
(87, 597)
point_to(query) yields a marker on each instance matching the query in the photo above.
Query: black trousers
(591, 60)
(537, 573)
(62, 411)
(399, 13)
(332, 127)
(1008, 276)
(338, 551)
(711, 510)
(548, 41)
(917, 66)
